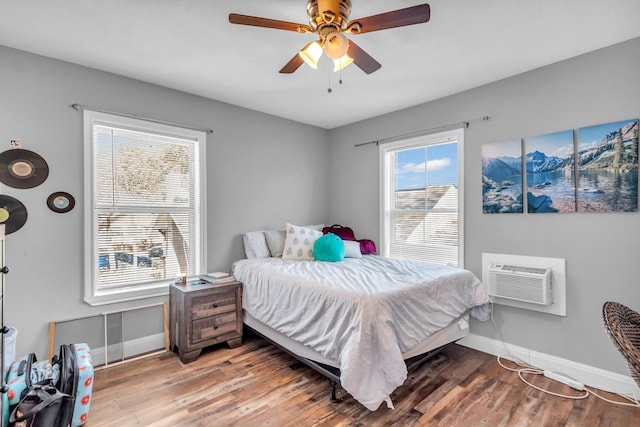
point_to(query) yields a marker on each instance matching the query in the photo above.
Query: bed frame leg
(334, 398)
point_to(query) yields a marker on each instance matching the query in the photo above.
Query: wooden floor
(257, 384)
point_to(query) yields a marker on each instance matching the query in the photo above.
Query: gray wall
(262, 171)
(601, 249)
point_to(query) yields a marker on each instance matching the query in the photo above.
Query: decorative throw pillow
(298, 243)
(352, 249)
(275, 242)
(318, 227)
(329, 248)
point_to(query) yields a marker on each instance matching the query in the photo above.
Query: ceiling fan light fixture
(311, 53)
(339, 64)
(336, 45)
(329, 20)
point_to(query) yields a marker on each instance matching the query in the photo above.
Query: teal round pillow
(328, 247)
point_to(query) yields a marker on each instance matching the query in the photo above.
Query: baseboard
(131, 348)
(588, 375)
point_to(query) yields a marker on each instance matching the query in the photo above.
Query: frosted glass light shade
(311, 53)
(339, 64)
(336, 45)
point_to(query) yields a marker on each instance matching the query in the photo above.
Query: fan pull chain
(339, 79)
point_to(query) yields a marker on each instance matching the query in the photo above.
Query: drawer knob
(215, 326)
(215, 305)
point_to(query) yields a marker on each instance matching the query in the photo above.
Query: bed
(364, 315)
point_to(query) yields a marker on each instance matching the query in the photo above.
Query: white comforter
(362, 313)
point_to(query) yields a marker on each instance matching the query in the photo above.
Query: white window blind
(422, 198)
(144, 210)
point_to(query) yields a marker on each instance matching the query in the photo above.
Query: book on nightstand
(217, 278)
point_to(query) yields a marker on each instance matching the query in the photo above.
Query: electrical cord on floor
(523, 369)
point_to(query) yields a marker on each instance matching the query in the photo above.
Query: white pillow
(299, 241)
(275, 242)
(352, 249)
(318, 227)
(255, 245)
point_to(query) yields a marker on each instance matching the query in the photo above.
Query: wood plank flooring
(257, 384)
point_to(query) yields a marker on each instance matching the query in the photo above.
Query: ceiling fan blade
(255, 21)
(397, 18)
(362, 59)
(292, 65)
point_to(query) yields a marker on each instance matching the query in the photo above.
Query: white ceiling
(189, 45)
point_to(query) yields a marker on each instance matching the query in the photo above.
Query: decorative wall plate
(61, 202)
(22, 168)
(13, 213)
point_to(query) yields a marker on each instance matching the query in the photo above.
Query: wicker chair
(623, 326)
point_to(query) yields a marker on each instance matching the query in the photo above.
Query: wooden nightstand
(203, 315)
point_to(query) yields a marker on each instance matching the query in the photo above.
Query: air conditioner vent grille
(521, 283)
(519, 287)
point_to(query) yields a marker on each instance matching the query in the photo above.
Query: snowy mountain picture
(550, 166)
(502, 177)
(608, 167)
(598, 174)
(539, 162)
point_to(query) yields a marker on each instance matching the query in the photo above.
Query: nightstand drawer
(211, 327)
(206, 306)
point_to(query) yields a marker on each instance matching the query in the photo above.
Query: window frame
(385, 177)
(93, 294)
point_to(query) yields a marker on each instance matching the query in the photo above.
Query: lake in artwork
(502, 177)
(608, 167)
(602, 191)
(550, 173)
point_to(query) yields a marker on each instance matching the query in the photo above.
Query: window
(144, 201)
(421, 197)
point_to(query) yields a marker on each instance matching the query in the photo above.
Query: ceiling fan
(329, 20)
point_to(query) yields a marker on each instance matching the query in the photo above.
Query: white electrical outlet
(15, 143)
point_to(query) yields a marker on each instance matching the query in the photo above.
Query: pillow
(275, 242)
(329, 247)
(255, 245)
(352, 249)
(298, 243)
(318, 227)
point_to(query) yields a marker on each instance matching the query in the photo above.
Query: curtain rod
(422, 132)
(133, 116)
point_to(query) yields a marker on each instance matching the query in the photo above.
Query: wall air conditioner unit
(527, 284)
